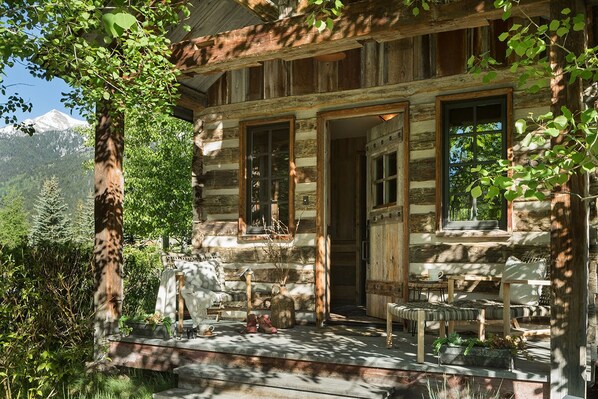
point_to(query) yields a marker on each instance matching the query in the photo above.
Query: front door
(386, 268)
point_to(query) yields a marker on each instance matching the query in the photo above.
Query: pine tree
(14, 226)
(82, 229)
(50, 222)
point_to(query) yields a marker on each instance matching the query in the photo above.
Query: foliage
(107, 51)
(515, 344)
(46, 309)
(141, 279)
(130, 384)
(470, 390)
(50, 222)
(279, 247)
(14, 227)
(158, 188)
(577, 151)
(82, 227)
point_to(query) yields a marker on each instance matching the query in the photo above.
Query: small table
(418, 286)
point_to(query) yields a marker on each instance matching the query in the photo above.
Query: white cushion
(206, 275)
(524, 294)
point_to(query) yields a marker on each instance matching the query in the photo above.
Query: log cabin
(359, 139)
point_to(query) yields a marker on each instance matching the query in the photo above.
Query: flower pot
(282, 309)
(477, 356)
(143, 330)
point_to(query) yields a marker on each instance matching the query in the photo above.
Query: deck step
(274, 384)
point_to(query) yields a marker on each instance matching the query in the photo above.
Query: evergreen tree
(50, 222)
(14, 226)
(82, 229)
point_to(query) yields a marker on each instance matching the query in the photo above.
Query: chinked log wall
(415, 70)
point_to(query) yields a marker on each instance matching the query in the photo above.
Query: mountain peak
(52, 120)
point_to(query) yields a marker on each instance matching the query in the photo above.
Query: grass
(471, 390)
(129, 384)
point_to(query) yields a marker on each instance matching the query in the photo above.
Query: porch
(349, 354)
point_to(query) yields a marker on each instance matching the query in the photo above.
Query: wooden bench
(427, 311)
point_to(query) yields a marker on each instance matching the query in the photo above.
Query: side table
(417, 287)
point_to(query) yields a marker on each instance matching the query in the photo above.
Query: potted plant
(278, 251)
(146, 325)
(496, 351)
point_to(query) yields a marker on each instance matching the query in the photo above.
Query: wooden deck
(349, 352)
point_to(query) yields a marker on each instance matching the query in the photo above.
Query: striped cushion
(494, 309)
(433, 311)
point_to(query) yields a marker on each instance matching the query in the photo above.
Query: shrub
(46, 308)
(141, 273)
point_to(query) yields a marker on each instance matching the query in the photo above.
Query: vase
(282, 309)
(477, 356)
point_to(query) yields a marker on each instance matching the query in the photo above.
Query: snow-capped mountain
(51, 121)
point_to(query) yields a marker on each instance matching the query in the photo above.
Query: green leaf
(554, 25)
(510, 195)
(493, 192)
(503, 36)
(562, 31)
(560, 122)
(124, 20)
(415, 11)
(476, 191)
(425, 6)
(521, 126)
(566, 11)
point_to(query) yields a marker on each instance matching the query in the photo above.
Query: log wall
(415, 70)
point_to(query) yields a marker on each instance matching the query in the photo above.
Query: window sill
(264, 237)
(474, 233)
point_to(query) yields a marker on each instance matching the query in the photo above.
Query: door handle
(364, 250)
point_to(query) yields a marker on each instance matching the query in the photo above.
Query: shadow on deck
(336, 351)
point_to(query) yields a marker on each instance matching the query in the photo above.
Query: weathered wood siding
(415, 70)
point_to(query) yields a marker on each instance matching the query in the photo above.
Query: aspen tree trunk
(569, 236)
(108, 215)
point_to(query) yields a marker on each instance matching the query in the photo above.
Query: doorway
(362, 233)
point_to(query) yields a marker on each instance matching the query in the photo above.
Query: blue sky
(44, 95)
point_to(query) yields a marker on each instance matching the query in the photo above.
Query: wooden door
(344, 221)
(386, 269)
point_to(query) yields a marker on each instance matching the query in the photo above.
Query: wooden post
(569, 232)
(248, 275)
(451, 298)
(421, 327)
(506, 309)
(388, 326)
(181, 310)
(108, 220)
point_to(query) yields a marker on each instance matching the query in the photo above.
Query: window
(474, 133)
(385, 179)
(267, 186)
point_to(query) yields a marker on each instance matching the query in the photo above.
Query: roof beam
(292, 38)
(264, 9)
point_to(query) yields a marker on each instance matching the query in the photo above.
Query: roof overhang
(291, 38)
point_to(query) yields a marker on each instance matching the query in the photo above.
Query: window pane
(489, 146)
(489, 118)
(391, 164)
(461, 149)
(280, 141)
(258, 217)
(460, 120)
(392, 190)
(378, 168)
(379, 194)
(488, 209)
(460, 208)
(280, 190)
(280, 212)
(280, 165)
(459, 178)
(259, 141)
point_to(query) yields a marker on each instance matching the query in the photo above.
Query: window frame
(244, 200)
(442, 160)
(385, 180)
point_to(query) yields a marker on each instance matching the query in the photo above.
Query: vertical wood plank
(506, 313)
(451, 52)
(238, 82)
(327, 76)
(302, 76)
(388, 326)
(349, 70)
(421, 57)
(369, 68)
(275, 79)
(255, 84)
(399, 61)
